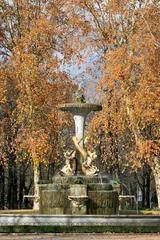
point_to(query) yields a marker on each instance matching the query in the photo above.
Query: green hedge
(79, 229)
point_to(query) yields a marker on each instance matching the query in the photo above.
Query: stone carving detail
(70, 166)
(79, 97)
(78, 201)
(88, 165)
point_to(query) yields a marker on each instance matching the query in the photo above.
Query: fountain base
(100, 197)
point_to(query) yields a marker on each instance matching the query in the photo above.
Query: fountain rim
(67, 107)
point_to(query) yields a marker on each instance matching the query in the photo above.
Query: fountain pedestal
(80, 112)
(101, 199)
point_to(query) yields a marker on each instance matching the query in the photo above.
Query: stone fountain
(79, 189)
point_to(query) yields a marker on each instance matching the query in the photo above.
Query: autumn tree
(32, 47)
(128, 32)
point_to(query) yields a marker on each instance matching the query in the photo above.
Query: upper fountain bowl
(79, 108)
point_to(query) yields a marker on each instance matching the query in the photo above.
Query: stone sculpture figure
(88, 165)
(80, 98)
(70, 166)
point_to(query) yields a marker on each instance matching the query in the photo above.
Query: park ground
(88, 236)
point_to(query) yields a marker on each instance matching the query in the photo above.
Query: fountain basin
(79, 108)
(101, 197)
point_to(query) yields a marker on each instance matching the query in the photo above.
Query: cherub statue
(70, 166)
(88, 165)
(80, 98)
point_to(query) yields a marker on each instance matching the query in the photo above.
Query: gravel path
(51, 236)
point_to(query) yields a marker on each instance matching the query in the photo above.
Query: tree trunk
(143, 190)
(156, 173)
(12, 183)
(148, 188)
(2, 188)
(157, 182)
(21, 184)
(36, 187)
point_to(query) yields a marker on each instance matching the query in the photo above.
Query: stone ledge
(84, 220)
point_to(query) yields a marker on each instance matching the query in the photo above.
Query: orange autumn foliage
(129, 33)
(33, 35)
